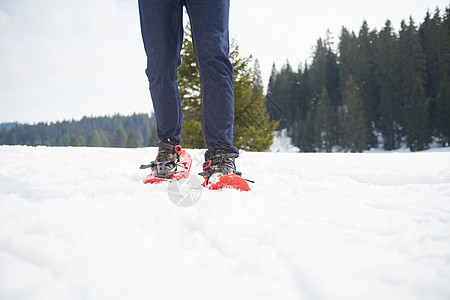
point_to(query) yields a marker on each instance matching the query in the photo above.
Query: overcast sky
(63, 59)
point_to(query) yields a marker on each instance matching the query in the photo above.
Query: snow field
(77, 223)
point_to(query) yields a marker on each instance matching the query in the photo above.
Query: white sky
(63, 59)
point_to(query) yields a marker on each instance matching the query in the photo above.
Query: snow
(282, 143)
(78, 223)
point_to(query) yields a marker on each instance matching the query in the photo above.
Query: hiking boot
(166, 161)
(221, 163)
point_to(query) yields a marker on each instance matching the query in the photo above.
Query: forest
(109, 131)
(375, 89)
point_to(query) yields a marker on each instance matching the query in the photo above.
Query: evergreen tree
(192, 134)
(261, 129)
(253, 130)
(442, 112)
(153, 139)
(436, 48)
(131, 140)
(324, 125)
(273, 108)
(417, 135)
(303, 94)
(257, 78)
(37, 140)
(104, 141)
(303, 124)
(93, 139)
(325, 72)
(412, 93)
(412, 64)
(388, 82)
(354, 133)
(366, 80)
(3, 135)
(306, 138)
(281, 96)
(349, 63)
(120, 138)
(74, 141)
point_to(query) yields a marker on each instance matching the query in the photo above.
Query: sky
(65, 59)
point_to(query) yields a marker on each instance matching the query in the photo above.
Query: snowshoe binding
(171, 164)
(219, 172)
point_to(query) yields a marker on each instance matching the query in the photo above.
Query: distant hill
(137, 130)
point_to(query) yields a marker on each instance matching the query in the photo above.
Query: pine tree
(388, 82)
(120, 138)
(273, 108)
(306, 138)
(104, 141)
(418, 135)
(303, 124)
(93, 139)
(257, 78)
(192, 134)
(324, 125)
(74, 141)
(262, 129)
(37, 140)
(349, 63)
(354, 133)
(131, 140)
(153, 138)
(442, 112)
(3, 135)
(411, 60)
(412, 66)
(436, 49)
(281, 96)
(253, 130)
(325, 72)
(367, 80)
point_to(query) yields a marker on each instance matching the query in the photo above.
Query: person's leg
(162, 33)
(209, 24)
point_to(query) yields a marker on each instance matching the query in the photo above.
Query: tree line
(376, 89)
(132, 131)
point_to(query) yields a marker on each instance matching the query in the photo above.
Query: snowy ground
(77, 223)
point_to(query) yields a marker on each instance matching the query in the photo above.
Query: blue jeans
(162, 33)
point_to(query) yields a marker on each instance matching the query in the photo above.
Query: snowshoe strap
(219, 160)
(169, 149)
(221, 163)
(167, 146)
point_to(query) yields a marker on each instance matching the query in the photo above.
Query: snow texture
(78, 223)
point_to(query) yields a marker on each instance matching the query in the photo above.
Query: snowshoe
(219, 172)
(171, 164)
